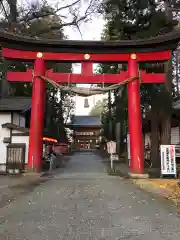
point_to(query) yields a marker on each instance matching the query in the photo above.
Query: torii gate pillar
(37, 117)
(135, 121)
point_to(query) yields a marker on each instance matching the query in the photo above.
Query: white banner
(168, 160)
(111, 147)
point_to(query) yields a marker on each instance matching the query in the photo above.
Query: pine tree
(141, 19)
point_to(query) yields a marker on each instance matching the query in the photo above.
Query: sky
(90, 31)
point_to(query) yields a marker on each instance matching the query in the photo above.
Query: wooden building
(14, 133)
(86, 131)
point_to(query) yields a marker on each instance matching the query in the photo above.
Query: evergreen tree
(142, 19)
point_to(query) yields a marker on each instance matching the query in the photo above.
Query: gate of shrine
(88, 52)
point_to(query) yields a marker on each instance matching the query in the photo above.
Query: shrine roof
(15, 104)
(86, 121)
(167, 41)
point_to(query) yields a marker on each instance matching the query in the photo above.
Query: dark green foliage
(133, 20)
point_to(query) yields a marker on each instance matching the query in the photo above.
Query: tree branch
(174, 9)
(76, 18)
(57, 26)
(48, 12)
(72, 14)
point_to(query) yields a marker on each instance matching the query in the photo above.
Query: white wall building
(14, 136)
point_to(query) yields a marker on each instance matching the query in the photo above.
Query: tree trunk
(5, 88)
(13, 10)
(118, 122)
(61, 127)
(166, 130)
(155, 157)
(110, 116)
(118, 139)
(167, 111)
(177, 73)
(12, 17)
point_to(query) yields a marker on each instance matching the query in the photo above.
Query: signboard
(114, 157)
(84, 133)
(168, 159)
(111, 147)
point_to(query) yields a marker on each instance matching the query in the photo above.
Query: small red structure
(62, 148)
(87, 53)
(51, 140)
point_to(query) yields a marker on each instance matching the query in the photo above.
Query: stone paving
(83, 202)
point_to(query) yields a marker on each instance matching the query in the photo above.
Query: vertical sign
(128, 148)
(168, 160)
(111, 148)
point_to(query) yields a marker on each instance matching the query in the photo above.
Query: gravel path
(83, 202)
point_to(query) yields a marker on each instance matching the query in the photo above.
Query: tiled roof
(15, 104)
(15, 127)
(86, 121)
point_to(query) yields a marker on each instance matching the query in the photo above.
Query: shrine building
(86, 131)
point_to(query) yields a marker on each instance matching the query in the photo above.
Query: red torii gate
(132, 57)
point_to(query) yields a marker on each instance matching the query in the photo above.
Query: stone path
(83, 202)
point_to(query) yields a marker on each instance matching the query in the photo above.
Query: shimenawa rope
(85, 92)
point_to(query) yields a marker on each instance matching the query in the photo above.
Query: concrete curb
(32, 174)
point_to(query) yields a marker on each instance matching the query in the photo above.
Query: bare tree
(70, 13)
